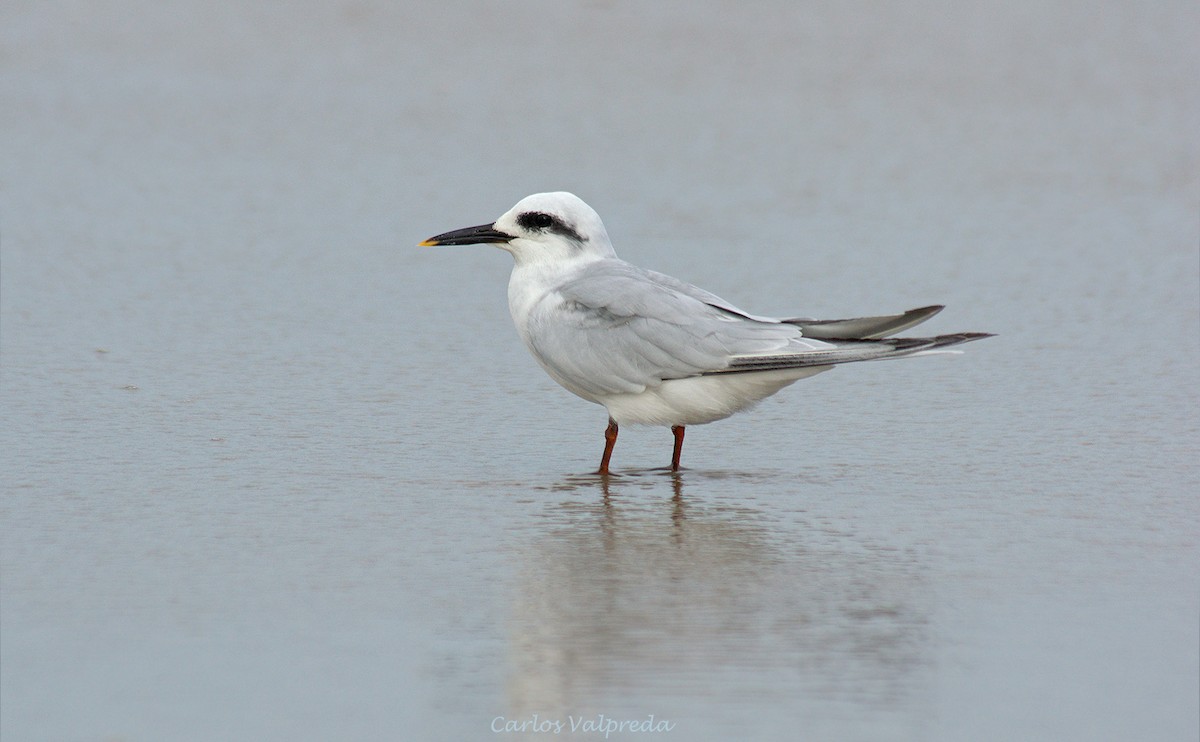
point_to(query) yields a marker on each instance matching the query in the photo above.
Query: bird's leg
(678, 431)
(610, 440)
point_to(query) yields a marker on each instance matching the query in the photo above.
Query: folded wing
(617, 328)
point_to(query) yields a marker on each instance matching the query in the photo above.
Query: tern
(650, 348)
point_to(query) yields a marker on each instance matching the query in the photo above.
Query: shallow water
(271, 472)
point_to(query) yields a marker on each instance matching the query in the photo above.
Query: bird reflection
(648, 591)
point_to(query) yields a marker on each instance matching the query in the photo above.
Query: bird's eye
(535, 220)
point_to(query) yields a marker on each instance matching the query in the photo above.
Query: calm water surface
(270, 472)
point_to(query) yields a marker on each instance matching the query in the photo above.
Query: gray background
(271, 472)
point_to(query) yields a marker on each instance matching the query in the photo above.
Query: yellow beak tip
(428, 243)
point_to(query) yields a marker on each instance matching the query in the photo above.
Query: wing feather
(617, 328)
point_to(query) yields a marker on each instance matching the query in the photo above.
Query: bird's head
(544, 227)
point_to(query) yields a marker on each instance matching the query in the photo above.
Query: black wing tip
(942, 341)
(907, 343)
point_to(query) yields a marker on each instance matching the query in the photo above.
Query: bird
(652, 349)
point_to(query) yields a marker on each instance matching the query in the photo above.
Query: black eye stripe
(539, 221)
(536, 220)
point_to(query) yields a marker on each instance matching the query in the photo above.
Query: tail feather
(850, 350)
(864, 328)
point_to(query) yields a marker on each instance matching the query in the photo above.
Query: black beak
(480, 235)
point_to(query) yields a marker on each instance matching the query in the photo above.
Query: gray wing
(858, 328)
(708, 298)
(618, 328)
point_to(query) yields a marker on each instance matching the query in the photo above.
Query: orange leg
(610, 440)
(678, 431)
